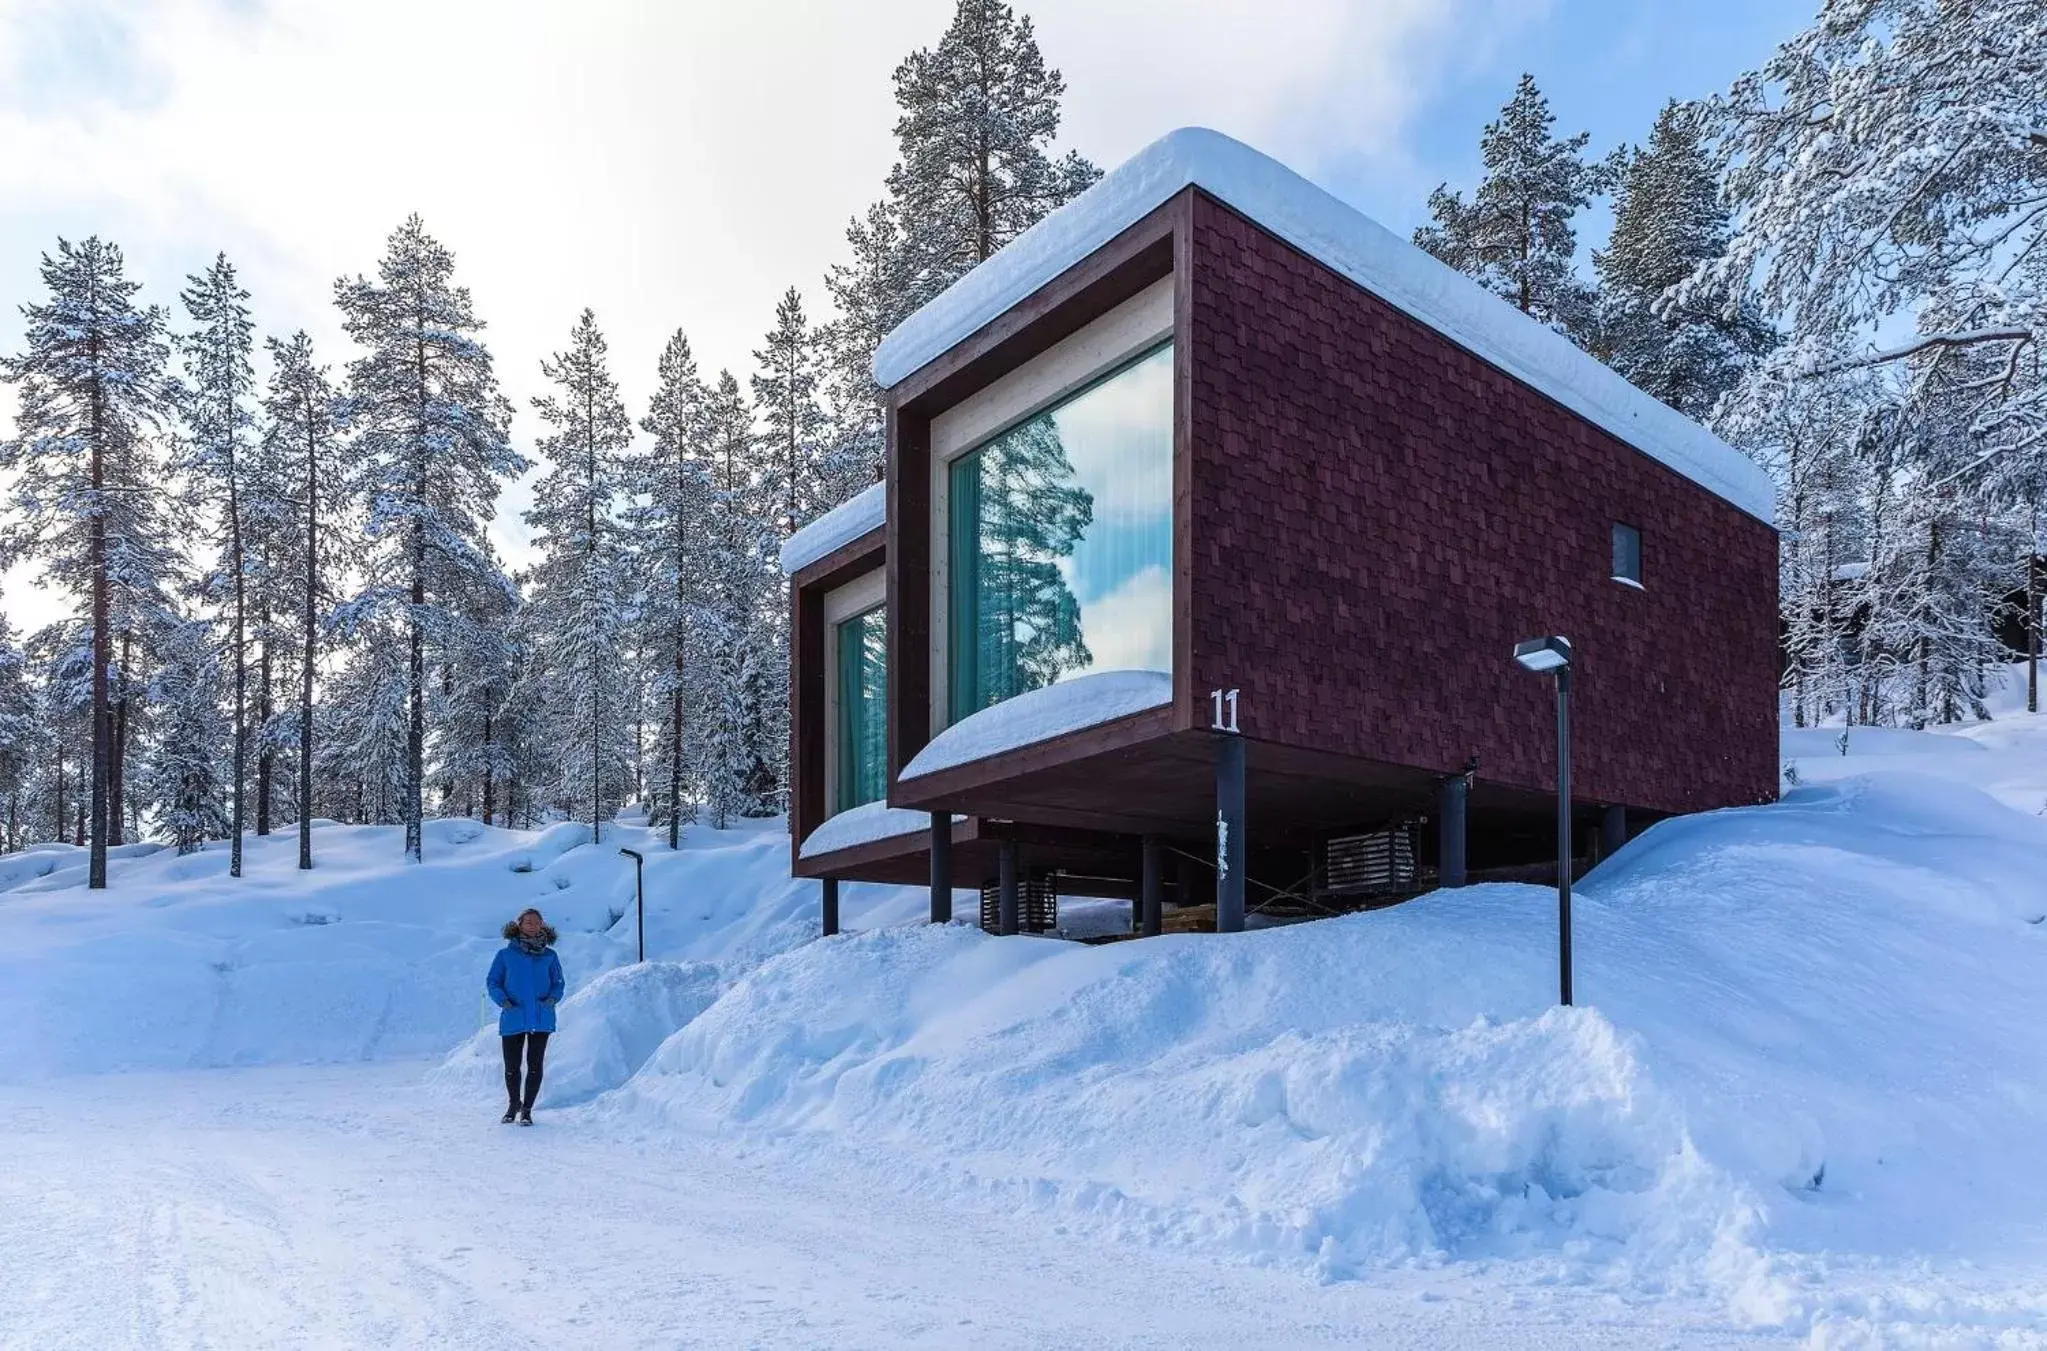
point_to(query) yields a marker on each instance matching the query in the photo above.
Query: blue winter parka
(525, 986)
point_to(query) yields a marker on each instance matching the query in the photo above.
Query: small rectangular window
(1627, 554)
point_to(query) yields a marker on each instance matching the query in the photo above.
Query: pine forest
(288, 606)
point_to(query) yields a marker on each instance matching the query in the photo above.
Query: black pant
(535, 1046)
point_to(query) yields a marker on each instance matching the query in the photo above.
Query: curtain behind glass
(863, 717)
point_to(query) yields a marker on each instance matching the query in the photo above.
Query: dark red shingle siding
(1377, 515)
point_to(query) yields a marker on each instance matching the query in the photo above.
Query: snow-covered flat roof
(1349, 242)
(1041, 714)
(835, 529)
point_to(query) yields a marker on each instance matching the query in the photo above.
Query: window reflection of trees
(1022, 492)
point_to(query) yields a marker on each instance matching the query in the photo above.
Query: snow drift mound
(1810, 1025)
(608, 1029)
(1283, 1093)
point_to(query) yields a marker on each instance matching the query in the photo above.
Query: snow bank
(607, 1030)
(1279, 1095)
(2006, 757)
(1809, 1027)
(1856, 742)
(1040, 714)
(835, 529)
(1353, 244)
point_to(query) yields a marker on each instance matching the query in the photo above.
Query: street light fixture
(1544, 656)
(640, 897)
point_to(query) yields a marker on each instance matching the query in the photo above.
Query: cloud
(1321, 84)
(670, 165)
(1131, 628)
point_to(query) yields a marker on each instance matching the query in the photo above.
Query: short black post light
(640, 896)
(1543, 655)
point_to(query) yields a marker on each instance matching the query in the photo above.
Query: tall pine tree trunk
(2033, 612)
(489, 782)
(307, 639)
(984, 206)
(117, 777)
(241, 757)
(589, 578)
(102, 637)
(1922, 712)
(264, 711)
(415, 731)
(675, 707)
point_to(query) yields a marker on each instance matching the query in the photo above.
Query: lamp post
(640, 896)
(1544, 655)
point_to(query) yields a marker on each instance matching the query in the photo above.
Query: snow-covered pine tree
(270, 512)
(979, 114)
(430, 438)
(1515, 235)
(1808, 434)
(525, 762)
(740, 760)
(1943, 567)
(975, 168)
(869, 294)
(1890, 160)
(363, 727)
(60, 656)
(214, 399)
(186, 778)
(92, 394)
(311, 539)
(790, 458)
(676, 536)
(1668, 223)
(574, 622)
(480, 660)
(18, 736)
(1963, 399)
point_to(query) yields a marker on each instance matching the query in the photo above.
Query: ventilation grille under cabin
(1037, 905)
(1380, 860)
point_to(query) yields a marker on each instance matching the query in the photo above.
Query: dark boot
(525, 1116)
(511, 1114)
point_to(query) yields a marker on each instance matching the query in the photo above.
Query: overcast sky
(672, 163)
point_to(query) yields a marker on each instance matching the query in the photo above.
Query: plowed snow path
(355, 1207)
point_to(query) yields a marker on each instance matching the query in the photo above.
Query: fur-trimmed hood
(547, 933)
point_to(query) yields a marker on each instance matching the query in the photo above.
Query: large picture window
(1061, 542)
(861, 752)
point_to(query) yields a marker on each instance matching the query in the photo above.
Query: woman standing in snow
(525, 983)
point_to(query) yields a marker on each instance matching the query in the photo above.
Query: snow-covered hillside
(176, 965)
(1802, 1096)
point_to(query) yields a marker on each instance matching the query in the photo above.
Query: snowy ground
(355, 1207)
(1801, 1103)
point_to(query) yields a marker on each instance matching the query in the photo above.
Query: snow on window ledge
(1040, 715)
(864, 824)
(1629, 581)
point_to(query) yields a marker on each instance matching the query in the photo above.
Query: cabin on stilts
(1213, 513)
